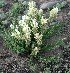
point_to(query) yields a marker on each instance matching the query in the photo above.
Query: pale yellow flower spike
(54, 12)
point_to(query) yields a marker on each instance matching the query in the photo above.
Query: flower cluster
(31, 27)
(32, 10)
(53, 12)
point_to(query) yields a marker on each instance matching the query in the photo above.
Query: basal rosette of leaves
(28, 33)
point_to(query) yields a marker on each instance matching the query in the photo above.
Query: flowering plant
(30, 29)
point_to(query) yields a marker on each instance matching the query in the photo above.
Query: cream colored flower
(12, 26)
(16, 30)
(54, 12)
(17, 27)
(13, 34)
(21, 23)
(32, 12)
(32, 4)
(26, 29)
(25, 17)
(16, 34)
(38, 38)
(43, 20)
(27, 37)
(35, 51)
(27, 32)
(40, 11)
(34, 26)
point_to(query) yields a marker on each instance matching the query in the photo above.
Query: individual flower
(43, 20)
(27, 37)
(25, 17)
(32, 4)
(32, 12)
(35, 51)
(26, 28)
(13, 34)
(16, 34)
(17, 27)
(40, 12)
(12, 26)
(53, 12)
(34, 26)
(21, 23)
(38, 38)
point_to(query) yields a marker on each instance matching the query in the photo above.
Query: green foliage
(61, 5)
(14, 13)
(68, 71)
(17, 8)
(32, 33)
(54, 31)
(32, 67)
(42, 62)
(16, 48)
(1, 72)
(1, 3)
(47, 70)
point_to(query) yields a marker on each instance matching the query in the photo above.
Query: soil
(12, 63)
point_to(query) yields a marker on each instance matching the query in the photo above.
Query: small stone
(68, 0)
(48, 5)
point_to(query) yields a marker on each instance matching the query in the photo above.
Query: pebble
(68, 0)
(47, 5)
